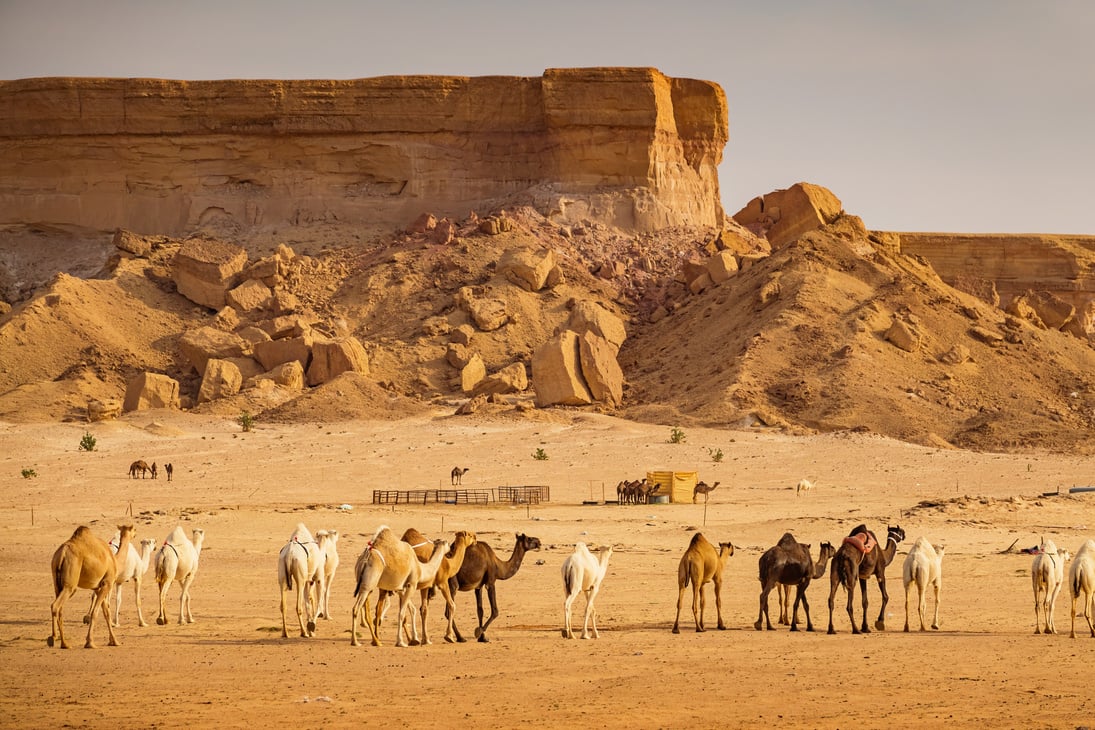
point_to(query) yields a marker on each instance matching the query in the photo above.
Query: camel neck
(511, 566)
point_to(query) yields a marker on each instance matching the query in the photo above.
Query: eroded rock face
(205, 270)
(331, 358)
(557, 373)
(600, 369)
(587, 316)
(103, 410)
(510, 379)
(200, 345)
(625, 146)
(151, 390)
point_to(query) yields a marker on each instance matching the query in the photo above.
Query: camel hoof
(880, 625)
(311, 627)
(414, 642)
(161, 621)
(49, 641)
(676, 630)
(935, 627)
(721, 627)
(831, 631)
(483, 639)
(794, 628)
(757, 626)
(87, 620)
(478, 632)
(566, 635)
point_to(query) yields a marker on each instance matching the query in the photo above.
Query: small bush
(676, 436)
(87, 443)
(540, 455)
(29, 473)
(246, 421)
(715, 454)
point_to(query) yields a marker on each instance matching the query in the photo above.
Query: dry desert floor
(985, 667)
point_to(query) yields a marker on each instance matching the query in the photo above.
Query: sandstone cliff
(627, 147)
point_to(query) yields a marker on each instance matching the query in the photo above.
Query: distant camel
(386, 564)
(328, 543)
(153, 470)
(169, 469)
(583, 573)
(1047, 574)
(804, 486)
(701, 564)
(702, 488)
(789, 564)
(137, 466)
(177, 560)
(923, 566)
(84, 561)
(1081, 579)
(860, 557)
(303, 562)
(457, 475)
(483, 569)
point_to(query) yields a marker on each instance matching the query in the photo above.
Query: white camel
(177, 560)
(302, 561)
(583, 572)
(924, 567)
(386, 564)
(427, 574)
(1081, 578)
(328, 543)
(133, 569)
(1047, 574)
(804, 485)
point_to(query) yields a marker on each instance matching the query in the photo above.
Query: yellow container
(679, 485)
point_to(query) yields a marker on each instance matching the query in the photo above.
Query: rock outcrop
(151, 390)
(206, 269)
(784, 215)
(626, 146)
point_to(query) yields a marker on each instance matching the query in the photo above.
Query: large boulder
(783, 216)
(221, 379)
(151, 390)
(528, 268)
(587, 316)
(473, 373)
(601, 369)
(205, 270)
(903, 335)
(250, 296)
(132, 243)
(289, 375)
(510, 379)
(200, 345)
(722, 266)
(331, 358)
(557, 373)
(488, 314)
(1054, 312)
(275, 352)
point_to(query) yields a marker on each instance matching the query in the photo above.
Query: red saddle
(864, 542)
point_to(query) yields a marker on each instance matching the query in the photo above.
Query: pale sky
(927, 115)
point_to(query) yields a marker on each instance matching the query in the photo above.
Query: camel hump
(81, 532)
(858, 530)
(697, 539)
(176, 536)
(787, 542)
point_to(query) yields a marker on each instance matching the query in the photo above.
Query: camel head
(528, 542)
(895, 533)
(727, 548)
(827, 551)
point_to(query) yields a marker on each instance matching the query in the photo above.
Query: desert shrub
(677, 436)
(715, 454)
(246, 421)
(87, 443)
(29, 473)
(540, 455)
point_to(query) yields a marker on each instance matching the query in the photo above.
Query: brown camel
(457, 475)
(169, 469)
(789, 564)
(702, 488)
(851, 561)
(153, 470)
(701, 564)
(483, 569)
(450, 566)
(137, 466)
(85, 561)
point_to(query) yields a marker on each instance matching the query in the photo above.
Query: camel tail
(58, 580)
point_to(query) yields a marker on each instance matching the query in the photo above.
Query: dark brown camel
(138, 466)
(169, 469)
(482, 569)
(789, 564)
(457, 475)
(702, 488)
(850, 562)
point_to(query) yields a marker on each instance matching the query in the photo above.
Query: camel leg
(355, 617)
(937, 587)
(184, 601)
(57, 634)
(102, 599)
(717, 580)
(284, 625)
(591, 612)
(1089, 601)
(762, 615)
(851, 616)
(481, 632)
(450, 612)
(302, 606)
(137, 597)
(908, 593)
(568, 604)
(400, 640)
(161, 619)
(680, 600)
(806, 608)
(698, 606)
(864, 629)
(832, 595)
(115, 595)
(880, 624)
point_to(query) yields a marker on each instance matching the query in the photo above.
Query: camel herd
(390, 566)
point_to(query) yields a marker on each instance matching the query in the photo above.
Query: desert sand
(247, 490)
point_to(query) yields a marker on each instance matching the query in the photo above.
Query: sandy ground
(985, 667)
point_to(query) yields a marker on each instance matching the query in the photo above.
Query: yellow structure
(679, 485)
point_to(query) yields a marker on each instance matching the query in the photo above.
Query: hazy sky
(933, 115)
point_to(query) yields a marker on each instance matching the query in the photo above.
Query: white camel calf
(302, 561)
(1047, 574)
(1081, 578)
(583, 573)
(134, 569)
(178, 560)
(804, 485)
(924, 567)
(328, 543)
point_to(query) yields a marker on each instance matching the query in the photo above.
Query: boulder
(132, 243)
(588, 316)
(269, 271)
(200, 345)
(1020, 307)
(151, 390)
(331, 358)
(488, 314)
(284, 302)
(253, 335)
(600, 368)
(226, 319)
(495, 225)
(557, 373)
(957, 355)
(444, 233)
(103, 410)
(782, 216)
(423, 223)
(528, 268)
(700, 284)
(472, 373)
(250, 296)
(205, 270)
(462, 335)
(221, 379)
(769, 291)
(1054, 312)
(275, 352)
(248, 367)
(282, 327)
(722, 266)
(986, 335)
(289, 375)
(903, 336)
(510, 379)
(471, 405)
(457, 355)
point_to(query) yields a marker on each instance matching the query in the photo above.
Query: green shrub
(87, 443)
(676, 436)
(246, 421)
(715, 454)
(540, 455)
(29, 473)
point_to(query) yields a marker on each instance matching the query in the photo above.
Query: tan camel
(153, 470)
(702, 488)
(860, 557)
(130, 568)
(386, 564)
(177, 560)
(423, 548)
(137, 466)
(85, 561)
(789, 564)
(483, 569)
(426, 576)
(701, 564)
(450, 566)
(169, 469)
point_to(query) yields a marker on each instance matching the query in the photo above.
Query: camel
(153, 470)
(702, 488)
(1047, 574)
(583, 572)
(169, 469)
(132, 568)
(860, 556)
(449, 567)
(328, 543)
(789, 564)
(923, 566)
(701, 564)
(457, 476)
(483, 569)
(633, 492)
(423, 548)
(303, 561)
(386, 564)
(137, 466)
(427, 575)
(804, 487)
(177, 560)
(1081, 578)
(84, 561)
